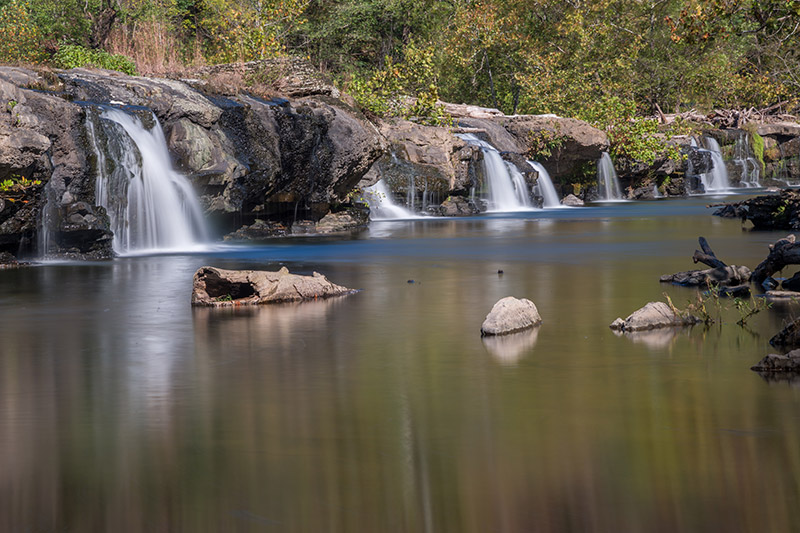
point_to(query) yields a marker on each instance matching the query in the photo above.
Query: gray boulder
(215, 287)
(652, 316)
(510, 315)
(572, 201)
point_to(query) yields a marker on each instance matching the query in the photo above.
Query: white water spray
(545, 185)
(151, 206)
(381, 204)
(607, 179)
(717, 180)
(505, 192)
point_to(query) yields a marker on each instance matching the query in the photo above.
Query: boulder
(343, 221)
(779, 363)
(784, 129)
(259, 230)
(510, 315)
(792, 284)
(572, 201)
(652, 316)
(215, 287)
(458, 206)
(788, 337)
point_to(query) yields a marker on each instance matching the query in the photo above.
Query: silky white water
(717, 180)
(381, 204)
(545, 185)
(151, 206)
(607, 180)
(505, 193)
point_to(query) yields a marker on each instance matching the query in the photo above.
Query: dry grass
(155, 48)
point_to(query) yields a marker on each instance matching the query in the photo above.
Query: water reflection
(509, 349)
(655, 339)
(123, 409)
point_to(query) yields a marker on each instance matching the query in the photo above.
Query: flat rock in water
(510, 315)
(779, 363)
(651, 316)
(789, 336)
(215, 287)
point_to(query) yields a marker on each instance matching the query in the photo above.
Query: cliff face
(246, 157)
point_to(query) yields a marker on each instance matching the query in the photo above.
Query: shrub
(74, 56)
(20, 38)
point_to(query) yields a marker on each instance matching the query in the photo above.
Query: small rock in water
(651, 316)
(788, 337)
(779, 363)
(510, 315)
(411, 281)
(499, 272)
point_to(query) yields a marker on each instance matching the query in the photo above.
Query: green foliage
(407, 89)
(748, 309)
(224, 298)
(544, 143)
(20, 38)
(74, 56)
(17, 183)
(631, 137)
(757, 143)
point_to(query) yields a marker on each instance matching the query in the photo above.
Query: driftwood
(782, 253)
(730, 118)
(720, 274)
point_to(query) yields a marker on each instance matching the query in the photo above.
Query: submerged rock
(215, 287)
(510, 315)
(654, 315)
(792, 284)
(779, 363)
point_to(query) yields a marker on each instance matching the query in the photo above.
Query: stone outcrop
(248, 157)
(215, 287)
(571, 200)
(654, 315)
(510, 315)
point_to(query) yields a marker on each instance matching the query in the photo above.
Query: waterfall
(744, 157)
(656, 194)
(607, 179)
(150, 205)
(716, 180)
(381, 204)
(506, 192)
(545, 185)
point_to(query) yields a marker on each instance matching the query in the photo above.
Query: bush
(74, 56)
(20, 38)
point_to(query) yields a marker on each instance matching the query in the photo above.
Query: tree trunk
(782, 253)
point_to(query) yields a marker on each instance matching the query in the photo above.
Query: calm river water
(123, 409)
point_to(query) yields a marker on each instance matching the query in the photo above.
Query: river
(124, 409)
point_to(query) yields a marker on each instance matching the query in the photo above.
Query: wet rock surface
(779, 363)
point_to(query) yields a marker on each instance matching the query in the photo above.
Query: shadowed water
(122, 409)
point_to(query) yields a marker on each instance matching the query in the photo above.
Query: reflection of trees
(383, 411)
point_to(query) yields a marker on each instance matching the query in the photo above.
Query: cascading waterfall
(505, 192)
(381, 204)
(150, 205)
(742, 156)
(607, 179)
(717, 180)
(546, 189)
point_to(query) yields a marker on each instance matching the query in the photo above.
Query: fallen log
(720, 274)
(782, 253)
